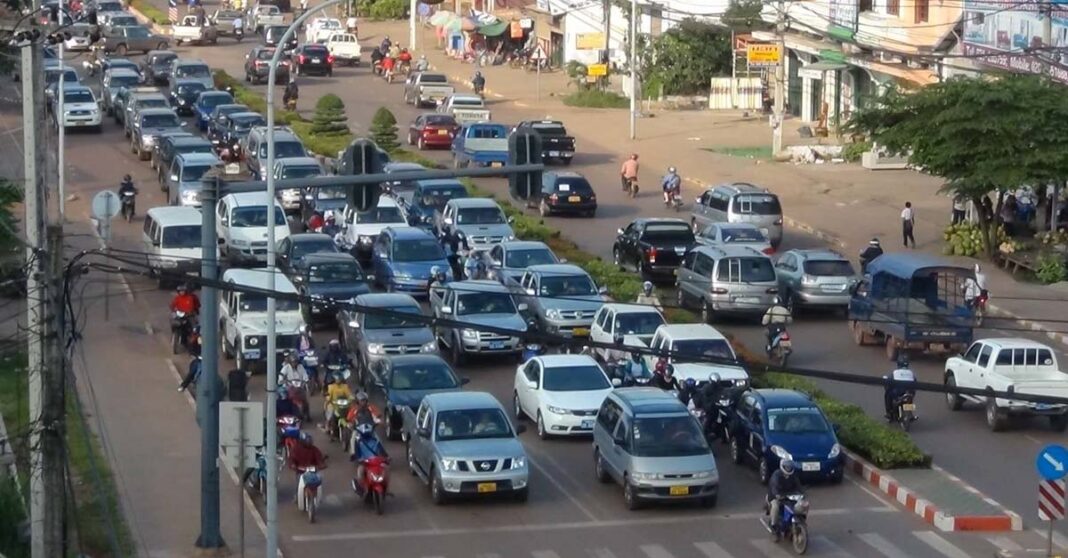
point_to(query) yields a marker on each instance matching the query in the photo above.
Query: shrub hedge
(883, 446)
(153, 13)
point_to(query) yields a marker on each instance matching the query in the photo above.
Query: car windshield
(437, 197)
(123, 81)
(420, 250)
(283, 149)
(674, 436)
(567, 285)
(422, 376)
(472, 424)
(746, 270)
(246, 124)
(316, 50)
(394, 320)
(440, 120)
(335, 272)
(181, 236)
(194, 148)
(255, 216)
(214, 100)
(520, 259)
(313, 246)
(574, 378)
(742, 235)
(484, 303)
(829, 268)
(573, 186)
(300, 172)
(707, 348)
(331, 193)
(637, 323)
(78, 96)
(757, 204)
(190, 89)
(480, 216)
(802, 420)
(152, 103)
(193, 71)
(164, 60)
(671, 232)
(433, 78)
(194, 172)
(258, 303)
(380, 215)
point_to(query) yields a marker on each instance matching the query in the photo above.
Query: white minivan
(241, 224)
(171, 237)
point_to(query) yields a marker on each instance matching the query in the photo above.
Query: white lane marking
(544, 554)
(769, 549)
(149, 329)
(712, 550)
(656, 551)
(885, 547)
(578, 504)
(1033, 439)
(571, 526)
(825, 547)
(943, 546)
(600, 553)
(1005, 544)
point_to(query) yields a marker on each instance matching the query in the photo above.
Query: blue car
(402, 258)
(406, 379)
(430, 197)
(770, 425)
(206, 103)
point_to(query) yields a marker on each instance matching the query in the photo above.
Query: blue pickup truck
(483, 144)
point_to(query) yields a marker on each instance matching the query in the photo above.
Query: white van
(244, 317)
(171, 237)
(241, 223)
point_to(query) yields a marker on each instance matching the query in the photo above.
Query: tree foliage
(686, 57)
(329, 118)
(744, 15)
(387, 9)
(384, 129)
(983, 136)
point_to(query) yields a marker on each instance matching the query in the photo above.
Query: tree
(329, 118)
(983, 136)
(387, 9)
(12, 254)
(685, 58)
(384, 130)
(744, 15)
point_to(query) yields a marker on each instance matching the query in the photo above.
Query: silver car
(735, 234)
(817, 277)
(375, 336)
(646, 440)
(727, 280)
(562, 296)
(739, 203)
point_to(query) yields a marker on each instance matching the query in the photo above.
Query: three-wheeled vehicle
(912, 303)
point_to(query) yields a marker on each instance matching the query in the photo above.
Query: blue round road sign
(1052, 462)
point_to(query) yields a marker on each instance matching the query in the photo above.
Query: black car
(653, 247)
(330, 277)
(183, 93)
(556, 144)
(173, 145)
(294, 248)
(238, 125)
(406, 380)
(219, 118)
(312, 59)
(274, 33)
(566, 192)
(258, 64)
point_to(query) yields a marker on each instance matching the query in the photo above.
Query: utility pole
(61, 171)
(634, 20)
(607, 31)
(780, 81)
(54, 399)
(413, 8)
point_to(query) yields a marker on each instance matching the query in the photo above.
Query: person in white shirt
(908, 221)
(897, 384)
(974, 288)
(775, 320)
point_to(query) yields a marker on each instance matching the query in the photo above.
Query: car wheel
(630, 496)
(421, 144)
(517, 408)
(543, 433)
(617, 258)
(411, 458)
(437, 490)
(161, 46)
(736, 451)
(391, 431)
(457, 353)
(995, 419)
(764, 471)
(599, 469)
(954, 402)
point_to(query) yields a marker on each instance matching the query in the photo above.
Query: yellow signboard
(763, 54)
(589, 41)
(597, 70)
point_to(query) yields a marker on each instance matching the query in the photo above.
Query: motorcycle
(313, 481)
(979, 307)
(339, 427)
(181, 326)
(128, 199)
(298, 392)
(310, 362)
(793, 523)
(904, 411)
(719, 423)
(630, 186)
(479, 87)
(231, 153)
(256, 477)
(95, 62)
(531, 350)
(674, 200)
(239, 34)
(291, 104)
(288, 433)
(374, 484)
(780, 347)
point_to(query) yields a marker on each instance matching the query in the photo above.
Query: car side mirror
(530, 292)
(619, 231)
(602, 290)
(616, 382)
(155, 243)
(520, 428)
(222, 241)
(446, 309)
(523, 307)
(448, 220)
(465, 381)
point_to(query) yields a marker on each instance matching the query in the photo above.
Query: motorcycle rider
(195, 365)
(292, 92)
(437, 278)
(455, 243)
(775, 320)
(377, 55)
(422, 64)
(629, 171)
(366, 446)
(667, 381)
(404, 58)
(689, 393)
(186, 302)
(388, 62)
(295, 378)
(338, 389)
(478, 82)
(783, 482)
(974, 288)
(633, 368)
(672, 185)
(898, 384)
(334, 355)
(648, 296)
(127, 186)
(386, 43)
(330, 226)
(363, 412)
(872, 251)
(302, 457)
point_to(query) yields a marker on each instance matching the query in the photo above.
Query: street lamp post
(272, 341)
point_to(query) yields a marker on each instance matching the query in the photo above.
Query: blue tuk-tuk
(912, 302)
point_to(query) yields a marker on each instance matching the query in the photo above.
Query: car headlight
(469, 333)
(239, 242)
(835, 450)
(182, 102)
(375, 348)
(644, 476)
(429, 347)
(353, 324)
(703, 474)
(366, 239)
(253, 341)
(552, 314)
(403, 276)
(556, 410)
(781, 453)
(510, 237)
(148, 140)
(519, 462)
(449, 465)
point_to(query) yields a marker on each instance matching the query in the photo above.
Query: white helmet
(671, 170)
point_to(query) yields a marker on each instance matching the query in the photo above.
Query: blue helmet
(690, 383)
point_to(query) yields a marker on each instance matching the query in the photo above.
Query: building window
(893, 7)
(866, 5)
(922, 8)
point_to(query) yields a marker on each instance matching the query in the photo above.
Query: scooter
(181, 325)
(780, 347)
(531, 350)
(339, 427)
(674, 201)
(374, 484)
(288, 433)
(979, 307)
(793, 523)
(239, 34)
(298, 392)
(310, 361)
(128, 199)
(313, 481)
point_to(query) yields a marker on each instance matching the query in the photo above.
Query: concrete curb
(1005, 521)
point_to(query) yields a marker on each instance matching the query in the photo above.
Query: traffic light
(362, 157)
(524, 148)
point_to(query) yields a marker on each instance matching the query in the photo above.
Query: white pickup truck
(191, 30)
(465, 108)
(702, 341)
(1010, 365)
(345, 47)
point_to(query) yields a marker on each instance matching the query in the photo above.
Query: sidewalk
(861, 204)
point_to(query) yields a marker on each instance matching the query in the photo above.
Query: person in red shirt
(302, 457)
(387, 67)
(185, 301)
(316, 222)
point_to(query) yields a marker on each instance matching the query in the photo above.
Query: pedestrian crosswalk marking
(544, 554)
(1006, 544)
(770, 549)
(712, 550)
(941, 545)
(656, 551)
(824, 547)
(885, 547)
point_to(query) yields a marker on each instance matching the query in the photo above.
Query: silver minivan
(184, 180)
(739, 202)
(727, 280)
(646, 440)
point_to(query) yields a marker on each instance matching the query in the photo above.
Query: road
(569, 514)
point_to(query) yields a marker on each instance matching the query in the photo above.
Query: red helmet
(661, 365)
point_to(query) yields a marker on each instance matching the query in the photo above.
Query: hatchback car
(238, 126)
(183, 93)
(735, 234)
(566, 192)
(817, 277)
(432, 131)
(402, 258)
(172, 145)
(740, 203)
(183, 68)
(508, 260)
(273, 33)
(560, 393)
(770, 425)
(312, 59)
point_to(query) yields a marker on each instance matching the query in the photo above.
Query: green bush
(151, 12)
(329, 118)
(387, 9)
(384, 130)
(1051, 268)
(852, 152)
(12, 516)
(595, 98)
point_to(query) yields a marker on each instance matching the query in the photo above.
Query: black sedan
(296, 247)
(312, 59)
(407, 379)
(258, 65)
(328, 278)
(219, 119)
(566, 192)
(183, 94)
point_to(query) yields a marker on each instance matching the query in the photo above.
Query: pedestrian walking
(959, 209)
(908, 222)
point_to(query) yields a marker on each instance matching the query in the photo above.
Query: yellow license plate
(908, 407)
(580, 332)
(487, 487)
(680, 490)
(443, 132)
(574, 199)
(496, 164)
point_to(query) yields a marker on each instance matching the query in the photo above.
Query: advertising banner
(1007, 34)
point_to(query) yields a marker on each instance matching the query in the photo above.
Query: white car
(80, 109)
(345, 47)
(361, 228)
(320, 29)
(561, 393)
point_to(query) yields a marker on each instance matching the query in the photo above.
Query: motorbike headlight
(377, 477)
(449, 465)
(556, 410)
(835, 450)
(376, 349)
(781, 453)
(253, 341)
(429, 347)
(469, 334)
(366, 239)
(353, 324)
(519, 462)
(552, 314)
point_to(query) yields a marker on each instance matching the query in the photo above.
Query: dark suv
(258, 64)
(312, 59)
(156, 66)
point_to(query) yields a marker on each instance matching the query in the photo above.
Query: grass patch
(16, 412)
(595, 98)
(153, 13)
(762, 153)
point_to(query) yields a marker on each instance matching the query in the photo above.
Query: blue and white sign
(1052, 462)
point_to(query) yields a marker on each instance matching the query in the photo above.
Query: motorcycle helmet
(361, 397)
(434, 271)
(873, 242)
(671, 170)
(690, 383)
(335, 343)
(303, 329)
(647, 288)
(713, 378)
(787, 467)
(636, 356)
(127, 178)
(181, 288)
(669, 370)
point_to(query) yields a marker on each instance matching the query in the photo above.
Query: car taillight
(785, 336)
(778, 221)
(302, 59)
(769, 250)
(330, 59)
(553, 197)
(260, 63)
(652, 255)
(593, 198)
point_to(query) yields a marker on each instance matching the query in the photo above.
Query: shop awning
(494, 29)
(825, 66)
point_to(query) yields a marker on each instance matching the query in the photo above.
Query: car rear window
(550, 129)
(315, 50)
(742, 235)
(573, 185)
(746, 270)
(440, 120)
(433, 78)
(828, 268)
(757, 204)
(672, 232)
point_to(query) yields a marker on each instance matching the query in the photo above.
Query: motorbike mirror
(619, 231)
(511, 220)
(530, 292)
(446, 309)
(522, 307)
(616, 382)
(465, 381)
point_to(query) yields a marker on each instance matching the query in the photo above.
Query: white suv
(241, 223)
(80, 109)
(244, 317)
